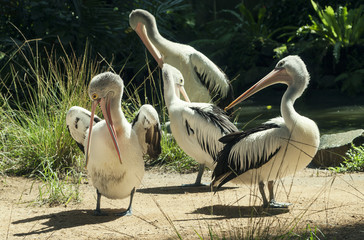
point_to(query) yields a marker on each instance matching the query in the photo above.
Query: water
(331, 111)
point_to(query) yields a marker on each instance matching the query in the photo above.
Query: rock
(333, 147)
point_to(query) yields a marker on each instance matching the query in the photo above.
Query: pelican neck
(153, 34)
(170, 93)
(117, 114)
(288, 111)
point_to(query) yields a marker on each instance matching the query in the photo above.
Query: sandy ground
(161, 208)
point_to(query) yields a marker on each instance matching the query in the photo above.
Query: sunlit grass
(33, 122)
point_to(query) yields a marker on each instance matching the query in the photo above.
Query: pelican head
(139, 20)
(105, 88)
(291, 71)
(172, 75)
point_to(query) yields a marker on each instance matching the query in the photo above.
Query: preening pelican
(196, 127)
(113, 147)
(203, 79)
(279, 147)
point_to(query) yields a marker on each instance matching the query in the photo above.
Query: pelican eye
(181, 81)
(95, 96)
(280, 64)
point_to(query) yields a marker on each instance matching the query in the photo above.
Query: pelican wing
(246, 150)
(147, 127)
(205, 124)
(212, 77)
(78, 122)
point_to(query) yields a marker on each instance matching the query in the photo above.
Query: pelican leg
(98, 212)
(128, 211)
(272, 201)
(201, 169)
(264, 197)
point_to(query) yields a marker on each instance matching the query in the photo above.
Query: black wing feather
(235, 169)
(218, 117)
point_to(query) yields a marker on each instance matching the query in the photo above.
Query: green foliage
(340, 28)
(66, 26)
(354, 162)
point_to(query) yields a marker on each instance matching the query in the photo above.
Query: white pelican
(114, 148)
(203, 79)
(279, 147)
(196, 127)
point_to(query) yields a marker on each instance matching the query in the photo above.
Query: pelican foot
(125, 213)
(99, 213)
(274, 204)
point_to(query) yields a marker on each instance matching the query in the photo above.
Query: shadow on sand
(225, 211)
(68, 219)
(180, 189)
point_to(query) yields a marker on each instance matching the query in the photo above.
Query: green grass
(33, 122)
(354, 162)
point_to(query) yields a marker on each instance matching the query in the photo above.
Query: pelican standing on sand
(196, 127)
(203, 79)
(278, 148)
(113, 147)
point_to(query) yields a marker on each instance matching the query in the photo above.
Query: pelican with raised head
(204, 81)
(278, 148)
(113, 147)
(196, 127)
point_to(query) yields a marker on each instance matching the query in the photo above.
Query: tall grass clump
(34, 110)
(35, 96)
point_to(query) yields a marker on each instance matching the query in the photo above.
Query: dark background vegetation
(244, 38)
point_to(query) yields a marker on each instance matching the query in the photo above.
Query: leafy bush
(354, 162)
(340, 28)
(333, 43)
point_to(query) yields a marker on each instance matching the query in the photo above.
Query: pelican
(113, 147)
(278, 148)
(196, 127)
(204, 81)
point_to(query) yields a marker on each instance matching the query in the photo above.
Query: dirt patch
(333, 204)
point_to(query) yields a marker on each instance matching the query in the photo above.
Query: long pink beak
(183, 92)
(105, 107)
(142, 33)
(278, 75)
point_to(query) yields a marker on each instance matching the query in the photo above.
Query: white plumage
(196, 127)
(203, 79)
(279, 147)
(114, 147)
